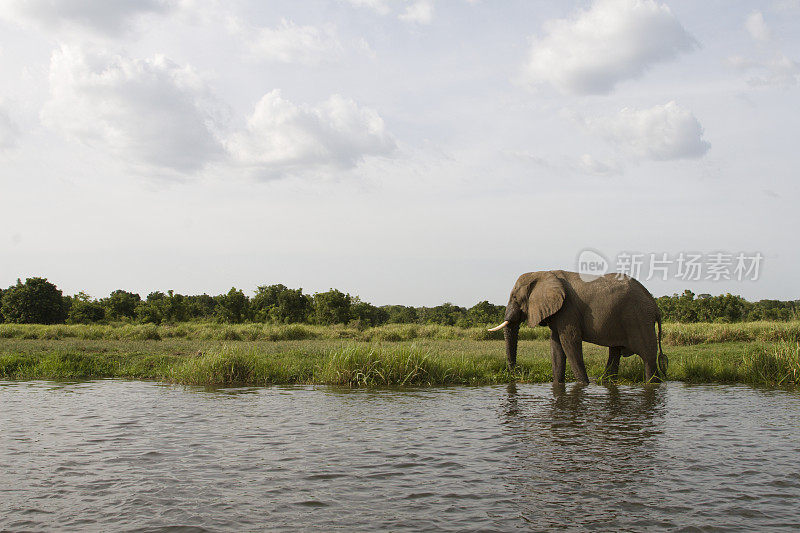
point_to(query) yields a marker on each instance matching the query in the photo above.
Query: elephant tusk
(501, 326)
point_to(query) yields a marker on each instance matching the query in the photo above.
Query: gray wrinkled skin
(612, 310)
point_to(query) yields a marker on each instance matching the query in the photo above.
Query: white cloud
(591, 165)
(282, 137)
(149, 112)
(290, 43)
(379, 6)
(612, 41)
(663, 132)
(779, 71)
(419, 12)
(9, 131)
(773, 68)
(106, 17)
(757, 27)
(416, 11)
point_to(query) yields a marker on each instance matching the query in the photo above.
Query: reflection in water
(141, 456)
(584, 443)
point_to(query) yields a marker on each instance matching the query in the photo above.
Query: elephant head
(535, 296)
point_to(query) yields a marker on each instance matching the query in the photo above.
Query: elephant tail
(662, 360)
(658, 321)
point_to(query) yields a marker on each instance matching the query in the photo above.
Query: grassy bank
(210, 354)
(673, 333)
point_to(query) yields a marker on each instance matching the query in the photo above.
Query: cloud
(772, 68)
(419, 12)
(106, 17)
(663, 132)
(757, 27)
(149, 112)
(283, 138)
(591, 165)
(379, 6)
(416, 12)
(9, 131)
(290, 43)
(612, 41)
(779, 71)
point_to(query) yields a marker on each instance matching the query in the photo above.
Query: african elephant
(612, 310)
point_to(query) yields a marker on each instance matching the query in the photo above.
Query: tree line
(38, 301)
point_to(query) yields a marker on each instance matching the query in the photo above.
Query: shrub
(121, 304)
(85, 311)
(233, 307)
(332, 307)
(37, 301)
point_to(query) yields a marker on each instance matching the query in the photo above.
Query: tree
(367, 315)
(121, 304)
(332, 307)
(685, 307)
(175, 308)
(277, 303)
(37, 301)
(233, 306)
(200, 306)
(483, 313)
(153, 309)
(446, 314)
(85, 310)
(401, 314)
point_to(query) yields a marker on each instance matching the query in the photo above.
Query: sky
(408, 152)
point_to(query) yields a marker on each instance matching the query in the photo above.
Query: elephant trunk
(513, 319)
(511, 334)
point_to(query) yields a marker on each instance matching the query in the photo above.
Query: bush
(233, 307)
(332, 307)
(121, 304)
(446, 314)
(149, 312)
(401, 314)
(367, 315)
(85, 312)
(277, 303)
(37, 301)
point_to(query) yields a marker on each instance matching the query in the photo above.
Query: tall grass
(674, 333)
(703, 332)
(348, 365)
(392, 355)
(776, 366)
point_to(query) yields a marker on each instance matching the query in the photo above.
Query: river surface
(116, 455)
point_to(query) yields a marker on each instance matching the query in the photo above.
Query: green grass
(763, 353)
(674, 333)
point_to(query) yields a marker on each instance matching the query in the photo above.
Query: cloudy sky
(408, 152)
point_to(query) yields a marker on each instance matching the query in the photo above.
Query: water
(141, 456)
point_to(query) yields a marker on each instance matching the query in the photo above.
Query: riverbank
(210, 354)
(673, 333)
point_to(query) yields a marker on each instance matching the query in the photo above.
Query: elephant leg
(650, 369)
(612, 365)
(648, 351)
(572, 344)
(558, 358)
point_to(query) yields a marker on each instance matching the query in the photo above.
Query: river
(143, 456)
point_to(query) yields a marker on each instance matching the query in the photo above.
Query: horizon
(250, 293)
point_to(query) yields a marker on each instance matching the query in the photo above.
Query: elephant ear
(545, 299)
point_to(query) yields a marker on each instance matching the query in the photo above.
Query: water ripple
(147, 457)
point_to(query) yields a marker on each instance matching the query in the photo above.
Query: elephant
(613, 310)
